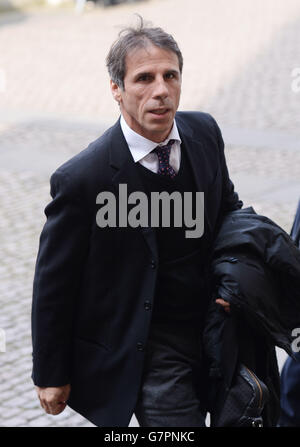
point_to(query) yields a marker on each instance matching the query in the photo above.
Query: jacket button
(140, 346)
(147, 305)
(153, 264)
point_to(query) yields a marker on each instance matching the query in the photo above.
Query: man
(118, 309)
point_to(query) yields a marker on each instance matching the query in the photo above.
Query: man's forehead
(148, 55)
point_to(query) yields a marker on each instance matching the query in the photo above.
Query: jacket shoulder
(95, 151)
(88, 165)
(197, 121)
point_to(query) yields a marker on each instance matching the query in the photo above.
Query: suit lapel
(126, 172)
(200, 166)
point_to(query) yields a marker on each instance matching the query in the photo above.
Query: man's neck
(156, 137)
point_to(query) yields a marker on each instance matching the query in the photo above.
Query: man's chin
(160, 125)
(158, 133)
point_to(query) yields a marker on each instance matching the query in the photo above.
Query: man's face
(151, 94)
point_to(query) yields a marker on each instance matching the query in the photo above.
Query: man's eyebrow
(143, 73)
(173, 71)
(149, 73)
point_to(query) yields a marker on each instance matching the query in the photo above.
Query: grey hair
(131, 38)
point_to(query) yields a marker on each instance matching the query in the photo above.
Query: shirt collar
(140, 146)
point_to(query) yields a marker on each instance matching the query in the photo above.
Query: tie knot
(163, 154)
(164, 149)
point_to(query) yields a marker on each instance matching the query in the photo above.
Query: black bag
(244, 401)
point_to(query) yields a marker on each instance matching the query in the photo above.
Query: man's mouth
(160, 112)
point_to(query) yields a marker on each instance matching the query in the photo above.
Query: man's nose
(160, 88)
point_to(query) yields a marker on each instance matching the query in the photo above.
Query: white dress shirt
(141, 148)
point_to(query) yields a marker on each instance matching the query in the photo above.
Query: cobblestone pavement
(54, 99)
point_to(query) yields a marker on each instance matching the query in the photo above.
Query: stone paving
(238, 59)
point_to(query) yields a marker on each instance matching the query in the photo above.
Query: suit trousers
(171, 388)
(290, 393)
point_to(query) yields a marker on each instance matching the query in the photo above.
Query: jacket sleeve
(230, 199)
(57, 279)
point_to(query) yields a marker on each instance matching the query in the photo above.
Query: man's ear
(116, 91)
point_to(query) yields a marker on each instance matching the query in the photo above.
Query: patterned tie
(163, 153)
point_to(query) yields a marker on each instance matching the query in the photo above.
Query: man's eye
(170, 75)
(144, 78)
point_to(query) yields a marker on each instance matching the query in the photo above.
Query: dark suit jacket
(290, 373)
(94, 287)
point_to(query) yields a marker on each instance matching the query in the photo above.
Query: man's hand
(224, 304)
(53, 399)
